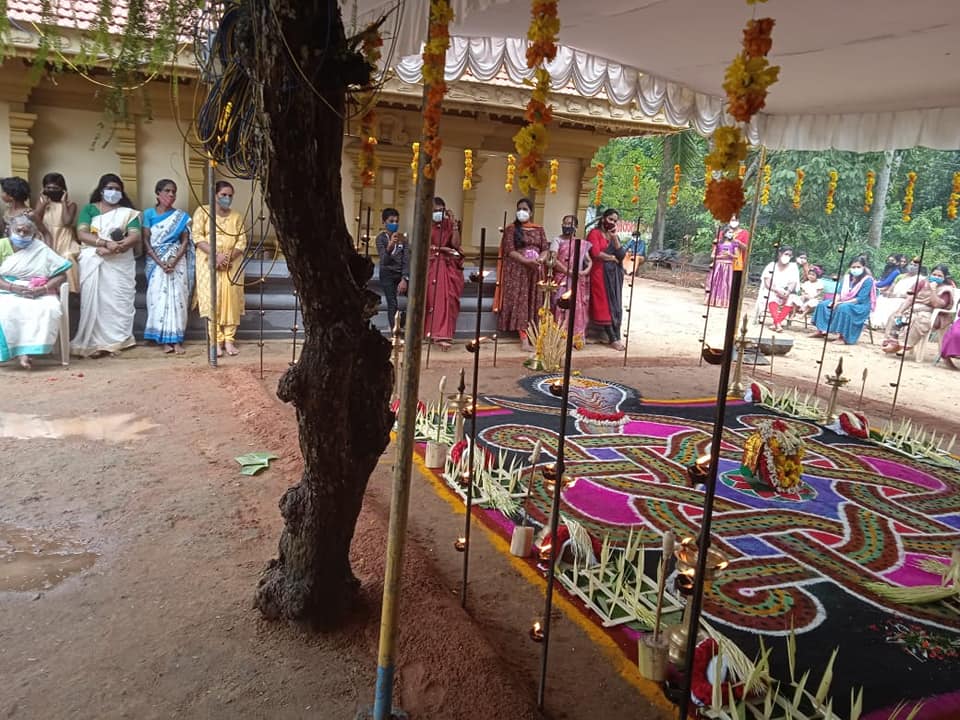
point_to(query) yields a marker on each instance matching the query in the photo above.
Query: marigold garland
(868, 191)
(467, 169)
(831, 191)
(636, 184)
(554, 175)
(434, 60)
(746, 82)
(533, 139)
(511, 171)
(370, 44)
(954, 197)
(765, 191)
(798, 189)
(908, 196)
(415, 163)
(598, 196)
(675, 190)
(741, 171)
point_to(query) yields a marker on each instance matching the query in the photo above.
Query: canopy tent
(860, 75)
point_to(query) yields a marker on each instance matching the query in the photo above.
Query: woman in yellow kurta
(231, 244)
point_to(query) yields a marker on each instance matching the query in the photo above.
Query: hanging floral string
(675, 190)
(707, 174)
(434, 59)
(636, 184)
(533, 139)
(746, 83)
(598, 196)
(765, 191)
(415, 162)
(831, 191)
(554, 175)
(370, 44)
(868, 192)
(798, 189)
(908, 196)
(467, 169)
(954, 197)
(741, 171)
(511, 171)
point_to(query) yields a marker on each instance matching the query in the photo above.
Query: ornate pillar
(125, 144)
(197, 177)
(21, 123)
(588, 174)
(470, 240)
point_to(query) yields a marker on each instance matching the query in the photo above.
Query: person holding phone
(55, 215)
(392, 249)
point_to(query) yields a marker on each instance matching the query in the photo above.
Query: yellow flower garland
(908, 196)
(868, 191)
(467, 169)
(434, 61)
(765, 192)
(598, 196)
(636, 184)
(371, 42)
(554, 175)
(415, 163)
(831, 191)
(675, 190)
(511, 171)
(954, 197)
(798, 189)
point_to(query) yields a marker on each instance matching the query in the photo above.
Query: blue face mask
(224, 201)
(933, 278)
(856, 272)
(19, 241)
(392, 227)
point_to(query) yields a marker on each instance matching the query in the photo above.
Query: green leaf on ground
(256, 458)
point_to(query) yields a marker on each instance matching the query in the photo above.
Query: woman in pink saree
(444, 277)
(563, 247)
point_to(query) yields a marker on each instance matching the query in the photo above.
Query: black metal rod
(558, 483)
(473, 422)
(703, 543)
(633, 277)
(833, 307)
(903, 352)
(296, 310)
(260, 343)
(356, 241)
(706, 315)
(366, 236)
(213, 324)
(766, 303)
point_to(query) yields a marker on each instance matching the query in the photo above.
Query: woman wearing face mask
(15, 192)
(522, 248)
(717, 288)
(606, 278)
(30, 276)
(847, 312)
(231, 245)
(55, 216)
(741, 238)
(779, 280)
(563, 247)
(891, 271)
(934, 293)
(888, 303)
(109, 229)
(444, 276)
(169, 269)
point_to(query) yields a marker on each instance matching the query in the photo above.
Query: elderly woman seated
(30, 276)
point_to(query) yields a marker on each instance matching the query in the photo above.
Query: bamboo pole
(212, 324)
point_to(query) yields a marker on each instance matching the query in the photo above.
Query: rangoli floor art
(811, 559)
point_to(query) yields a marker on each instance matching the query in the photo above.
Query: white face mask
(734, 223)
(785, 259)
(438, 216)
(111, 196)
(523, 215)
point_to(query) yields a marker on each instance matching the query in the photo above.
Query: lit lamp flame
(477, 277)
(460, 544)
(536, 632)
(563, 302)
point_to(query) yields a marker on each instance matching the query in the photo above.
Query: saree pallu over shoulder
(107, 290)
(168, 294)
(518, 298)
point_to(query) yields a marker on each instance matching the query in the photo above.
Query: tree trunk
(341, 385)
(666, 171)
(891, 159)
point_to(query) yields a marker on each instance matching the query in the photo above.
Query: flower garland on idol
(533, 139)
(746, 82)
(598, 195)
(434, 60)
(908, 196)
(868, 191)
(675, 190)
(831, 191)
(954, 197)
(798, 189)
(370, 45)
(467, 169)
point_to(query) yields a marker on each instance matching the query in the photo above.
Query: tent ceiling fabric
(856, 75)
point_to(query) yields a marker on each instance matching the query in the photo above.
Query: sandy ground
(130, 545)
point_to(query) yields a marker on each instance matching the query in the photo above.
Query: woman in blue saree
(169, 269)
(847, 313)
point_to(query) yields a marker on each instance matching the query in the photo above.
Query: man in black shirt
(394, 261)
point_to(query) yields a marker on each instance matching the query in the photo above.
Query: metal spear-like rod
(558, 485)
(473, 347)
(833, 307)
(706, 314)
(766, 303)
(903, 354)
(639, 257)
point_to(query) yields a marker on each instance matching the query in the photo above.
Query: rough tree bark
(341, 384)
(666, 180)
(891, 160)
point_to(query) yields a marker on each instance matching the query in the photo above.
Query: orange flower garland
(415, 163)
(954, 197)
(831, 191)
(868, 191)
(675, 190)
(434, 60)
(598, 196)
(554, 174)
(636, 184)
(798, 189)
(511, 171)
(741, 171)
(746, 82)
(908, 196)
(467, 169)
(765, 191)
(370, 45)
(533, 139)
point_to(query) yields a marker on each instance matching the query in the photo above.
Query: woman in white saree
(109, 229)
(30, 276)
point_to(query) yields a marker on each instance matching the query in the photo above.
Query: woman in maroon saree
(521, 249)
(444, 277)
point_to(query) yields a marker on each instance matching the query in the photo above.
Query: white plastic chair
(935, 335)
